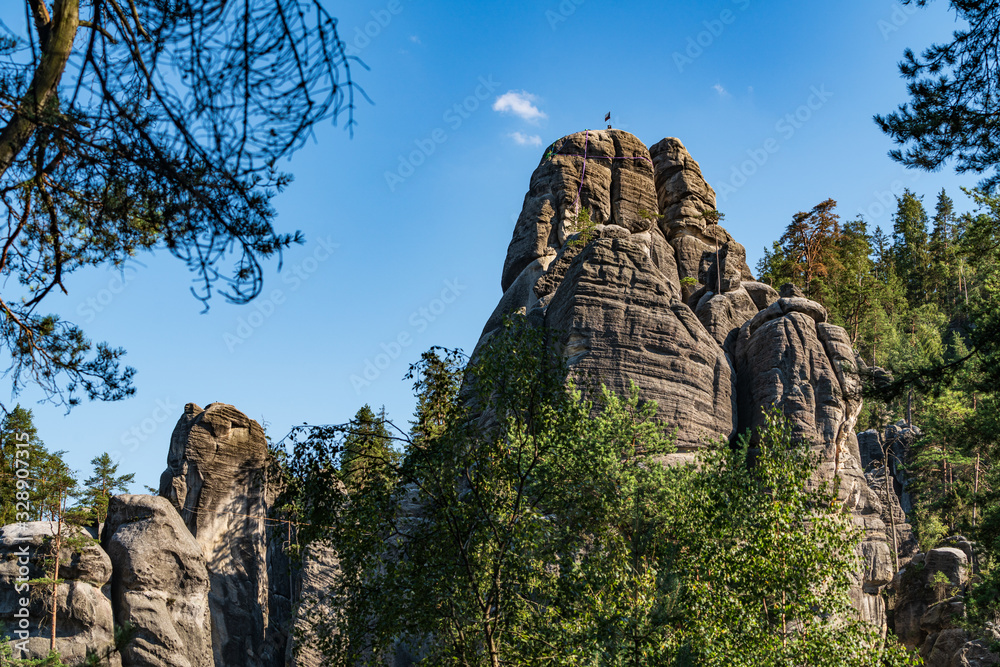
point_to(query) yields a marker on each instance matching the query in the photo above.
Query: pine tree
(43, 474)
(102, 485)
(909, 246)
(808, 243)
(944, 277)
(367, 450)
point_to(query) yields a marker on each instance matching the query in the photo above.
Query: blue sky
(407, 224)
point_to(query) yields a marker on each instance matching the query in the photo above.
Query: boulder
(762, 295)
(84, 618)
(160, 585)
(974, 654)
(724, 314)
(942, 646)
(928, 597)
(217, 479)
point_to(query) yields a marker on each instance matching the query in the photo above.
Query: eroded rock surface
(84, 618)
(618, 321)
(930, 608)
(161, 584)
(788, 355)
(617, 186)
(216, 479)
(667, 301)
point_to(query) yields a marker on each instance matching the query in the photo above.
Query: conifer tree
(103, 484)
(808, 244)
(367, 450)
(909, 245)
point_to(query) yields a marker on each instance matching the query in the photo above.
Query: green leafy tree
(44, 472)
(116, 138)
(808, 243)
(103, 484)
(945, 273)
(768, 559)
(537, 524)
(584, 229)
(8, 660)
(67, 538)
(774, 267)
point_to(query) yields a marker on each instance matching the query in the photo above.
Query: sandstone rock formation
(788, 355)
(930, 605)
(617, 304)
(617, 322)
(216, 479)
(658, 293)
(84, 618)
(160, 584)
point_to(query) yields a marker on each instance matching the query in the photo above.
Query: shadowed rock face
(216, 479)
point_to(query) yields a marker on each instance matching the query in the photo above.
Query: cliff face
(664, 297)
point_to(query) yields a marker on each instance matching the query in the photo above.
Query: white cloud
(526, 140)
(720, 90)
(415, 39)
(519, 104)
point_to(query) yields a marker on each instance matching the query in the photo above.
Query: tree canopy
(128, 125)
(533, 523)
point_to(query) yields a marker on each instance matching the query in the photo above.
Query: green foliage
(534, 523)
(47, 473)
(367, 451)
(7, 657)
(951, 98)
(929, 528)
(118, 139)
(909, 244)
(103, 484)
(712, 217)
(584, 229)
(768, 560)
